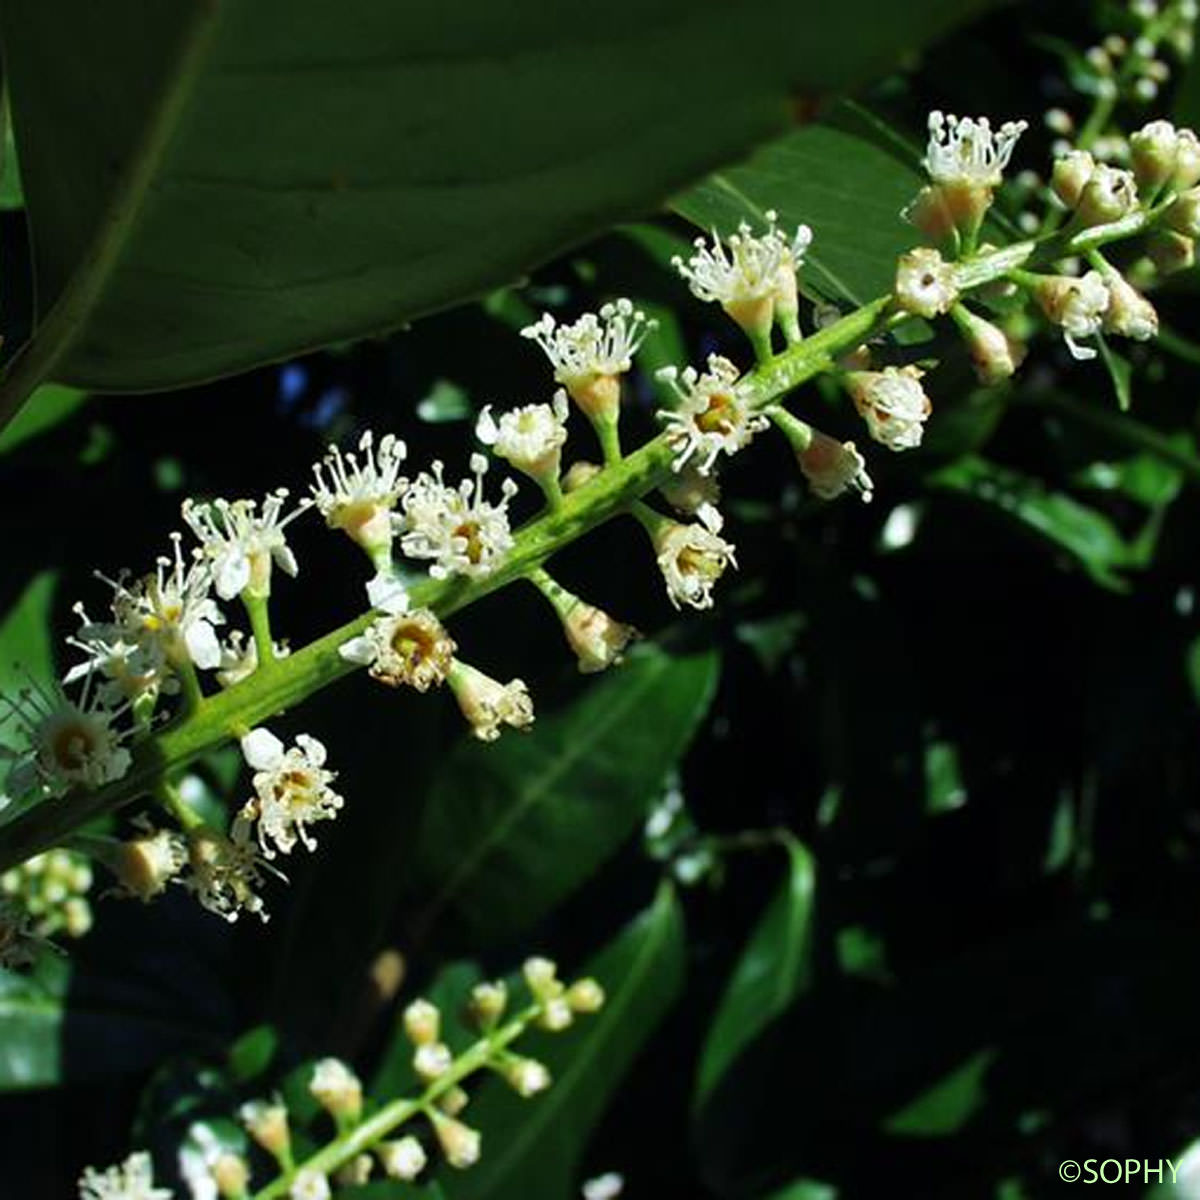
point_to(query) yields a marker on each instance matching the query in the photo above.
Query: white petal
(203, 646)
(358, 650)
(388, 594)
(262, 750)
(285, 560)
(232, 574)
(314, 750)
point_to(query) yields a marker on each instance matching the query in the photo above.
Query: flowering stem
(169, 796)
(552, 490)
(258, 610)
(193, 693)
(797, 432)
(610, 440)
(376, 1127)
(278, 685)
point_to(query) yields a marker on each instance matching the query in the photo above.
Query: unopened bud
(356, 1172)
(459, 1143)
(267, 1124)
(578, 474)
(1171, 252)
(145, 865)
(525, 1076)
(1184, 214)
(1187, 160)
(556, 1015)
(1071, 175)
(310, 1184)
(925, 283)
(337, 1089)
(541, 976)
(1154, 149)
(453, 1100)
(422, 1023)
(1129, 313)
(404, 1159)
(432, 1060)
(994, 355)
(488, 1001)
(231, 1175)
(1109, 195)
(585, 996)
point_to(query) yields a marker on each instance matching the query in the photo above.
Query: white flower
(386, 592)
(146, 864)
(291, 790)
(131, 1180)
(712, 416)
(170, 613)
(968, 151)
(925, 283)
(241, 543)
(70, 745)
(893, 404)
(267, 1123)
(488, 704)
(1078, 305)
(225, 871)
(832, 467)
(458, 529)
(129, 669)
(692, 558)
(357, 494)
(748, 269)
(598, 640)
(604, 1187)
(530, 438)
(412, 649)
(594, 345)
(310, 1184)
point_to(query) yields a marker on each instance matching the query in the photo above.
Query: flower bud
(994, 355)
(310, 1184)
(267, 1124)
(488, 1001)
(432, 1060)
(1129, 313)
(541, 977)
(925, 283)
(460, 1144)
(585, 996)
(231, 1175)
(453, 1100)
(488, 704)
(337, 1089)
(1171, 252)
(1077, 305)
(1154, 149)
(1184, 214)
(145, 865)
(930, 213)
(422, 1023)
(1109, 195)
(1071, 175)
(403, 1159)
(356, 1172)
(1187, 160)
(556, 1015)
(578, 474)
(525, 1076)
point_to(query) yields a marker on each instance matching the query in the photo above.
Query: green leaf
(510, 829)
(532, 1147)
(266, 176)
(1119, 371)
(805, 1189)
(25, 648)
(768, 975)
(839, 182)
(1088, 536)
(947, 1105)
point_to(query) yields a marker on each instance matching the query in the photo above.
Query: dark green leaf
(768, 975)
(532, 1147)
(25, 648)
(1087, 535)
(947, 1105)
(512, 828)
(1119, 371)
(266, 176)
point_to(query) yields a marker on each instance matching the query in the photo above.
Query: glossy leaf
(48, 406)
(25, 649)
(266, 176)
(532, 1147)
(1088, 536)
(511, 828)
(838, 181)
(768, 975)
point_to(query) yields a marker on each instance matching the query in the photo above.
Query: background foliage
(922, 918)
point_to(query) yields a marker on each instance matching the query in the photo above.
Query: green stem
(376, 1127)
(552, 490)
(610, 440)
(58, 330)
(189, 680)
(258, 610)
(278, 686)
(172, 800)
